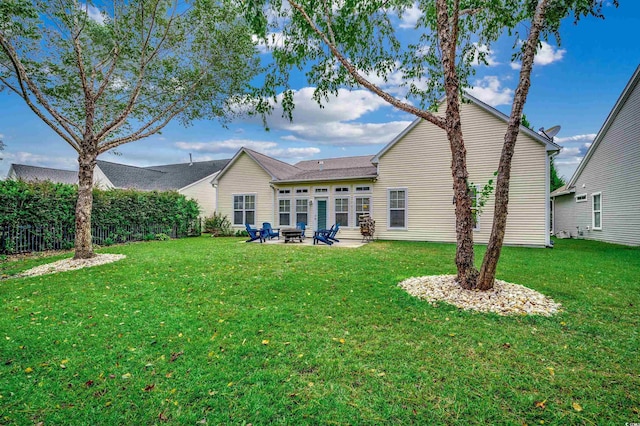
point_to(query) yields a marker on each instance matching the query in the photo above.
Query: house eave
(368, 177)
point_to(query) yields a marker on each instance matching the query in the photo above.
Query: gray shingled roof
(333, 174)
(34, 173)
(184, 174)
(123, 176)
(160, 178)
(336, 163)
(276, 168)
(311, 170)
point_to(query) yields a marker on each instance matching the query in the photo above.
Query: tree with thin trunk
(348, 43)
(105, 74)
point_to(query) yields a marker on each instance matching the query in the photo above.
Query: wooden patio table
(291, 234)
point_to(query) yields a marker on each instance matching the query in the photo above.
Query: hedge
(28, 205)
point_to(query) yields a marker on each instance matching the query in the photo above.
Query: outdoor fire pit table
(292, 234)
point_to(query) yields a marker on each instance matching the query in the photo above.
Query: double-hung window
(397, 202)
(363, 208)
(244, 209)
(284, 209)
(302, 211)
(341, 206)
(596, 211)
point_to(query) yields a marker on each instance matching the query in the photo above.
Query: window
(302, 211)
(244, 209)
(302, 190)
(342, 189)
(322, 190)
(363, 189)
(581, 198)
(342, 211)
(285, 212)
(397, 208)
(284, 191)
(363, 208)
(597, 211)
(474, 193)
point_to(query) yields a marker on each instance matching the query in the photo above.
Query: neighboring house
(193, 180)
(597, 203)
(406, 187)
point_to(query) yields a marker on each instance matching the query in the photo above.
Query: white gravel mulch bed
(71, 264)
(504, 299)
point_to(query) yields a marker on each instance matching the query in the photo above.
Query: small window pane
(237, 218)
(250, 217)
(397, 218)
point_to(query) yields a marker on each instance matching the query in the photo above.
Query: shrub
(162, 237)
(242, 233)
(218, 225)
(45, 213)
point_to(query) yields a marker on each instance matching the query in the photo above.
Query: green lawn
(236, 333)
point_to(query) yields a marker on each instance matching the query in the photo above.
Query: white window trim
(303, 188)
(581, 198)
(362, 191)
(294, 210)
(355, 210)
(348, 191)
(244, 210)
(406, 209)
(349, 208)
(593, 212)
(321, 190)
(291, 207)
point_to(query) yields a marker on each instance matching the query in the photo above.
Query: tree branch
(22, 77)
(404, 106)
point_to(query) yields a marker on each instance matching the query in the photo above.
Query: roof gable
(632, 85)
(550, 146)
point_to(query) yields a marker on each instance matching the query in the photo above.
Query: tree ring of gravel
(71, 265)
(504, 299)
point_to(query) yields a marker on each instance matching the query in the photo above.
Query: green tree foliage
(356, 44)
(101, 80)
(556, 180)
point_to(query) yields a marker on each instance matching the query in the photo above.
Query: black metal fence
(33, 238)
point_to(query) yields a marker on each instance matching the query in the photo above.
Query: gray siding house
(601, 201)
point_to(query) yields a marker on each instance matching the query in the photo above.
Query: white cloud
(230, 146)
(272, 41)
(410, 16)
(1, 136)
(587, 139)
(548, 54)
(339, 123)
(488, 55)
(490, 90)
(92, 12)
(573, 150)
(515, 65)
(395, 82)
(23, 157)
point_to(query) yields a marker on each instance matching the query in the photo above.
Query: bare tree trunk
(494, 248)
(83, 246)
(447, 34)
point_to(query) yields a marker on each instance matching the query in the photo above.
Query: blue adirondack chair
(254, 234)
(322, 236)
(302, 226)
(332, 233)
(269, 232)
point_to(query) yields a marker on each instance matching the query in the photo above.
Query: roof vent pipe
(321, 164)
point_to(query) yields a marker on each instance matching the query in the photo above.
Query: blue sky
(574, 85)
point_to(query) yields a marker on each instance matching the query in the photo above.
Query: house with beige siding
(600, 202)
(406, 187)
